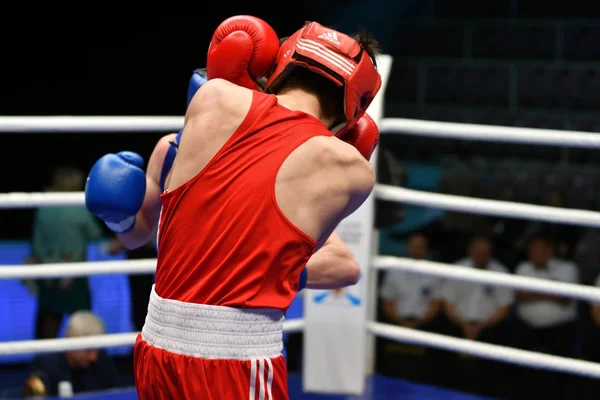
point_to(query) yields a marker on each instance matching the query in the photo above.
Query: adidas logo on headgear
(330, 36)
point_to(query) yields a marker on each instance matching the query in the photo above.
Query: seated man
(545, 322)
(412, 301)
(77, 371)
(478, 312)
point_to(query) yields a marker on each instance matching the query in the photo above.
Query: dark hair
(369, 44)
(545, 237)
(331, 96)
(479, 237)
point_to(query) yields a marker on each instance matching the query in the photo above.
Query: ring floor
(378, 388)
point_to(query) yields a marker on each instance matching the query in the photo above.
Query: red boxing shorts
(194, 351)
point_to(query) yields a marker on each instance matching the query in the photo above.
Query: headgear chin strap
(335, 56)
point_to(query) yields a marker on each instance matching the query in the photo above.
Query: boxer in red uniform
(259, 184)
(332, 267)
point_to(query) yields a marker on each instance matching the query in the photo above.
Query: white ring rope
(449, 271)
(500, 353)
(488, 207)
(41, 199)
(78, 269)
(72, 124)
(489, 133)
(96, 342)
(484, 350)
(385, 192)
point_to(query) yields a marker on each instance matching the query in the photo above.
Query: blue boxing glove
(196, 81)
(115, 190)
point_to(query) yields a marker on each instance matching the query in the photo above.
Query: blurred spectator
(478, 312)
(462, 178)
(80, 370)
(61, 234)
(390, 171)
(564, 236)
(587, 255)
(506, 232)
(140, 285)
(590, 351)
(545, 323)
(412, 301)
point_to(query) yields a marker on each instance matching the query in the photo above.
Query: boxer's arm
(333, 266)
(347, 179)
(147, 218)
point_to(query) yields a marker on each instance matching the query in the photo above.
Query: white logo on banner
(345, 297)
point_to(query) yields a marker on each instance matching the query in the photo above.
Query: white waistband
(207, 331)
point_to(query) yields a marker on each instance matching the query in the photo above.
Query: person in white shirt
(478, 312)
(476, 309)
(411, 301)
(590, 351)
(545, 322)
(594, 351)
(542, 313)
(408, 299)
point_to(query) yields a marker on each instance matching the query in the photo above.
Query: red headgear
(335, 56)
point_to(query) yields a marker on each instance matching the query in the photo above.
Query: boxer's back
(252, 194)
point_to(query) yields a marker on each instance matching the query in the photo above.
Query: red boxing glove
(243, 49)
(364, 136)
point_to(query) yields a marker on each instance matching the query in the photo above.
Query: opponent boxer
(258, 185)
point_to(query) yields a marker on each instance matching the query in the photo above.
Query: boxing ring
(542, 137)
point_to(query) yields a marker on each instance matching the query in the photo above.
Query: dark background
(112, 61)
(108, 64)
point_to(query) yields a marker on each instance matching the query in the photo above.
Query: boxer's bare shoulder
(214, 114)
(221, 100)
(320, 183)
